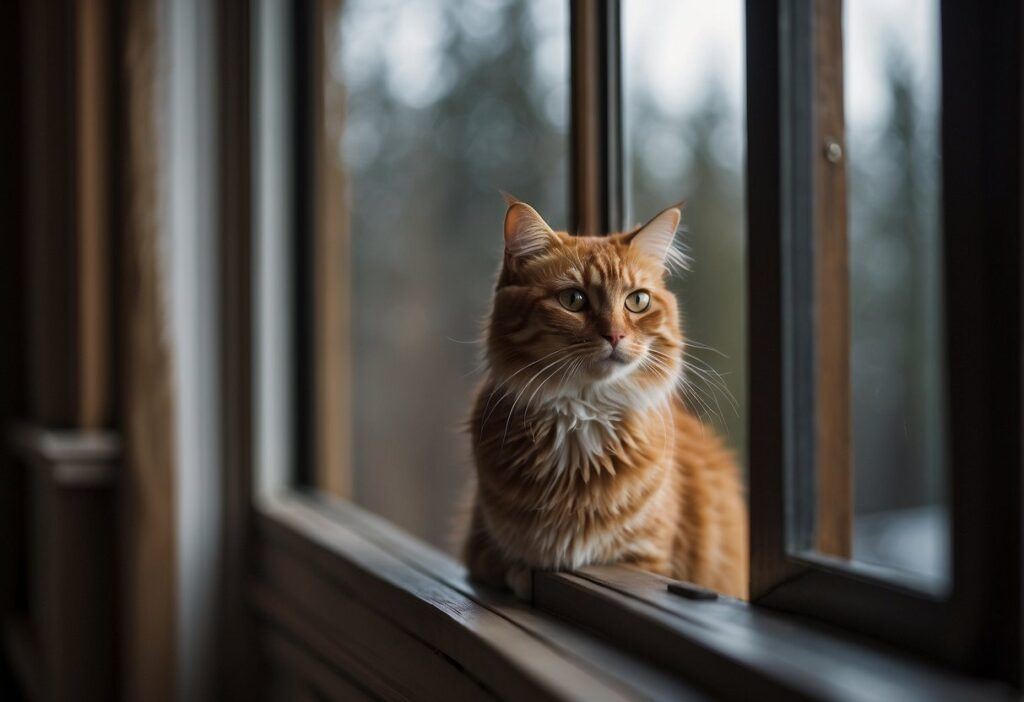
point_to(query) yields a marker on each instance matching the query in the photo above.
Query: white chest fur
(580, 431)
(583, 430)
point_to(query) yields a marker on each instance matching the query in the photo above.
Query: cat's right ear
(527, 235)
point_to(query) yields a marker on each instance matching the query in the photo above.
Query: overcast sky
(675, 49)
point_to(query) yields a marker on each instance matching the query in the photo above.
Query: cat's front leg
(488, 565)
(485, 563)
(519, 578)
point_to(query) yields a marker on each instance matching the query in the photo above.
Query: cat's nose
(613, 338)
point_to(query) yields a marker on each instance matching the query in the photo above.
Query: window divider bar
(833, 488)
(597, 192)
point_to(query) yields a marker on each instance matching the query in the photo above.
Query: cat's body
(584, 452)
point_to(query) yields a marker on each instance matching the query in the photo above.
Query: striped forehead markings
(597, 269)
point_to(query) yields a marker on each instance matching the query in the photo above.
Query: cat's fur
(585, 453)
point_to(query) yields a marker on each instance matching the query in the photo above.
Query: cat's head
(586, 314)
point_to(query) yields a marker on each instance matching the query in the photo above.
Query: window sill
(364, 610)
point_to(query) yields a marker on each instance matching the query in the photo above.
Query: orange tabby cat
(585, 453)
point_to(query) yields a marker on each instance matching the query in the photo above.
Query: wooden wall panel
(51, 265)
(62, 629)
(93, 192)
(148, 493)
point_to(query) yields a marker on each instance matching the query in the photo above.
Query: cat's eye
(573, 300)
(638, 301)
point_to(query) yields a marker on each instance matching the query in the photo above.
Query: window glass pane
(891, 53)
(445, 104)
(877, 500)
(683, 81)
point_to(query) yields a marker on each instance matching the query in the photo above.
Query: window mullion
(833, 480)
(597, 180)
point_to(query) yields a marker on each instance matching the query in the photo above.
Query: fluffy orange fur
(585, 453)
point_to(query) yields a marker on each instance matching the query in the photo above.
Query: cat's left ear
(526, 233)
(656, 237)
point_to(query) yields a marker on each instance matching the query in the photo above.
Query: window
(360, 365)
(875, 496)
(809, 276)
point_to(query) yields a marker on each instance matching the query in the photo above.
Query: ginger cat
(585, 454)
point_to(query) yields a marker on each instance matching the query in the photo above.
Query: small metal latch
(692, 592)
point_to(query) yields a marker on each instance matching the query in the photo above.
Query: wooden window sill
(740, 650)
(364, 610)
(374, 609)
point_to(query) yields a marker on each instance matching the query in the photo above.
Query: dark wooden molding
(61, 466)
(235, 641)
(52, 324)
(981, 66)
(94, 42)
(71, 610)
(67, 81)
(23, 655)
(74, 457)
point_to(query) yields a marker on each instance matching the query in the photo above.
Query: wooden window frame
(970, 627)
(347, 606)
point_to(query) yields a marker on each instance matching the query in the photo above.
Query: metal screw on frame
(833, 150)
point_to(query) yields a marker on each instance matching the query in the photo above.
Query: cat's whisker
(661, 355)
(525, 388)
(716, 382)
(567, 362)
(482, 365)
(657, 363)
(704, 347)
(714, 398)
(693, 393)
(564, 362)
(707, 374)
(692, 358)
(505, 382)
(702, 375)
(566, 372)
